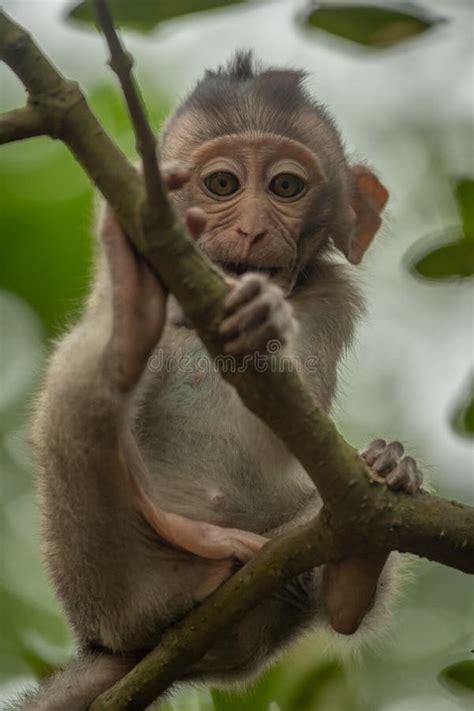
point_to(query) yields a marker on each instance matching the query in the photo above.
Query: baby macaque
(155, 480)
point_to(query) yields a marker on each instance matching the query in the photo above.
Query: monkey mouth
(239, 268)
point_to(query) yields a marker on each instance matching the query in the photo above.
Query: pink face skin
(256, 191)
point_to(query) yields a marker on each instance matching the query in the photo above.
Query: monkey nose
(251, 235)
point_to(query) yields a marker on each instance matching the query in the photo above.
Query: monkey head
(268, 168)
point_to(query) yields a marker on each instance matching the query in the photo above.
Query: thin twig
(121, 62)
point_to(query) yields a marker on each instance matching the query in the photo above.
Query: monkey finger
(175, 175)
(251, 315)
(245, 289)
(252, 341)
(196, 221)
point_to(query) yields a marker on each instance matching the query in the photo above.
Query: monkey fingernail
(229, 326)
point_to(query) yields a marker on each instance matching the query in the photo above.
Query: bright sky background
(407, 111)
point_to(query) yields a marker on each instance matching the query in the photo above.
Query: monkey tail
(76, 686)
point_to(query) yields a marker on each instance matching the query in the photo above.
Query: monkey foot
(199, 537)
(219, 542)
(388, 465)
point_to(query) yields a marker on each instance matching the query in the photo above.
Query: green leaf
(370, 24)
(459, 677)
(446, 261)
(462, 418)
(145, 15)
(464, 192)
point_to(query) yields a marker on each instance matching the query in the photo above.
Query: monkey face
(257, 191)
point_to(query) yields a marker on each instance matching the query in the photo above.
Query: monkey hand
(256, 313)
(138, 297)
(388, 465)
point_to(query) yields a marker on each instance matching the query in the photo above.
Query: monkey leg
(75, 687)
(203, 539)
(350, 586)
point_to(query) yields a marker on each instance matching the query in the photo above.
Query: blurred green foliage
(145, 15)
(46, 211)
(448, 261)
(370, 24)
(465, 200)
(460, 677)
(454, 259)
(462, 419)
(367, 24)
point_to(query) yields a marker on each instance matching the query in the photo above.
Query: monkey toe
(242, 545)
(387, 463)
(406, 476)
(373, 451)
(389, 458)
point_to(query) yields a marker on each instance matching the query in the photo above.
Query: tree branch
(187, 641)
(431, 527)
(122, 62)
(19, 124)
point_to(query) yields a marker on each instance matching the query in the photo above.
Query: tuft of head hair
(241, 67)
(242, 96)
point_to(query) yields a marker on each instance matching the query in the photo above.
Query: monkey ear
(369, 197)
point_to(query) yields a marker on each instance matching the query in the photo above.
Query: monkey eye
(222, 183)
(286, 185)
